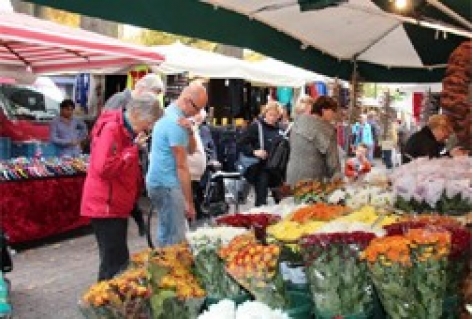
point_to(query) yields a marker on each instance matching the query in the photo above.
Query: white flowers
(365, 195)
(226, 309)
(212, 236)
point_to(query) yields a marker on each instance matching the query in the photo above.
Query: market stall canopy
(327, 41)
(289, 70)
(41, 46)
(183, 58)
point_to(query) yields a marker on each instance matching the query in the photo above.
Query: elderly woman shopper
(249, 144)
(430, 141)
(114, 178)
(314, 152)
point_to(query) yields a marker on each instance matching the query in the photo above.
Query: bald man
(168, 180)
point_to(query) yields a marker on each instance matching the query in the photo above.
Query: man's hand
(190, 211)
(141, 139)
(185, 123)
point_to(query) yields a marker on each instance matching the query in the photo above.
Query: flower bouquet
(125, 296)
(176, 292)
(459, 256)
(313, 191)
(409, 272)
(339, 281)
(255, 267)
(208, 266)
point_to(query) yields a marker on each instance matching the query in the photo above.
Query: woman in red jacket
(114, 178)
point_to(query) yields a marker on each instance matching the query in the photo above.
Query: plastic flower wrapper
(409, 272)
(125, 296)
(339, 281)
(461, 246)
(209, 268)
(255, 267)
(176, 292)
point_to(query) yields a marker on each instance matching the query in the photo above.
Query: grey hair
(145, 106)
(150, 82)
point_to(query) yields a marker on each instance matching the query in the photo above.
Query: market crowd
(137, 145)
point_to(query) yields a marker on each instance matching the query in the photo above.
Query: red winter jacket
(114, 175)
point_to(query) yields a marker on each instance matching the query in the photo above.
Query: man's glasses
(194, 105)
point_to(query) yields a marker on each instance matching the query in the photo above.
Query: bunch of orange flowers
(119, 292)
(255, 267)
(318, 212)
(415, 251)
(177, 260)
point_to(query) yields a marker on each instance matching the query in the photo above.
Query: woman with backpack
(314, 151)
(264, 130)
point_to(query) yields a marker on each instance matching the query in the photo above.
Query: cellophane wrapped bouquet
(125, 296)
(176, 291)
(209, 268)
(339, 281)
(255, 267)
(459, 256)
(409, 272)
(434, 185)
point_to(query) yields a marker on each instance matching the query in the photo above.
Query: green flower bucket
(301, 288)
(301, 305)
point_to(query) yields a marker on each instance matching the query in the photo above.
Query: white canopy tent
(182, 58)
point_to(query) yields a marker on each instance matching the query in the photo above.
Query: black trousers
(264, 181)
(137, 215)
(111, 235)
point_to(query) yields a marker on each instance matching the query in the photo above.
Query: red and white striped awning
(44, 47)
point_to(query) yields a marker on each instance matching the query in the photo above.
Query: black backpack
(279, 154)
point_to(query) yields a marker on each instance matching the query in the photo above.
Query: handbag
(244, 162)
(279, 154)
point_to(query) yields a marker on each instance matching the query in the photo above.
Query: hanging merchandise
(81, 90)
(417, 105)
(321, 87)
(285, 96)
(136, 74)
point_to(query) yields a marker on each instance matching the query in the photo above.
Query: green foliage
(448, 206)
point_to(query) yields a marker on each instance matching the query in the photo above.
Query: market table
(37, 208)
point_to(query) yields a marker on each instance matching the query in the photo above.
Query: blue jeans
(169, 202)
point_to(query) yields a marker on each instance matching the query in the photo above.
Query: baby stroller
(215, 192)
